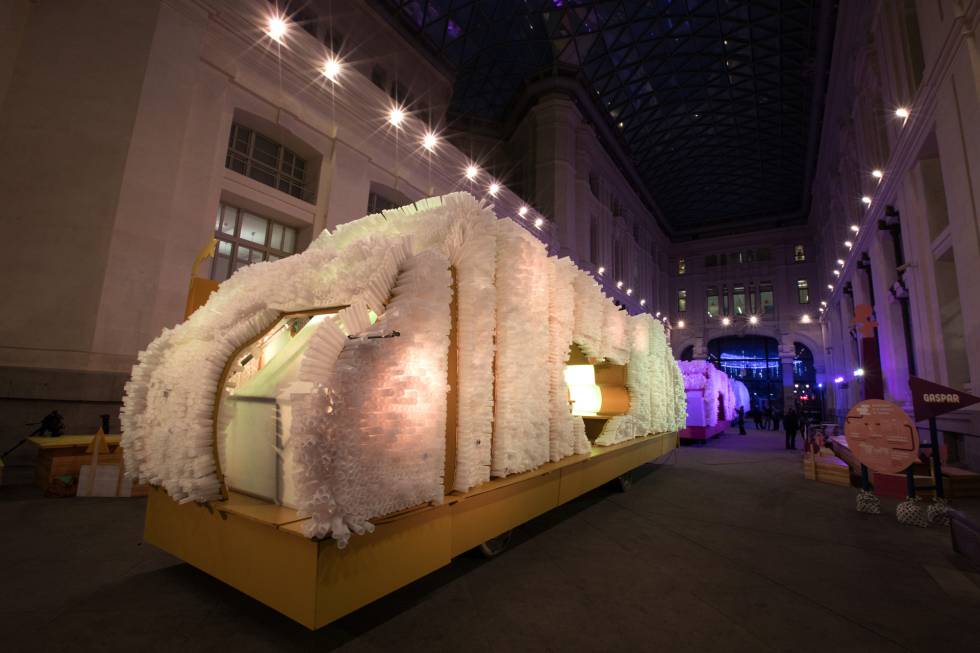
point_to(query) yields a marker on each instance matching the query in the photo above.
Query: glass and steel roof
(716, 101)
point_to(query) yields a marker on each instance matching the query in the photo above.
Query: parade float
(333, 425)
(710, 398)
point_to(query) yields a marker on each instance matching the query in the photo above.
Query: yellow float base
(259, 548)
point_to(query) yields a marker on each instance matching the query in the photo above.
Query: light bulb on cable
(276, 28)
(753, 319)
(877, 174)
(523, 211)
(855, 228)
(725, 321)
(331, 69)
(619, 284)
(902, 112)
(840, 262)
(601, 269)
(471, 172)
(396, 116)
(866, 200)
(643, 302)
(539, 222)
(848, 244)
(430, 141)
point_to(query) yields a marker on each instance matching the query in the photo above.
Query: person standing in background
(791, 423)
(767, 417)
(741, 420)
(777, 415)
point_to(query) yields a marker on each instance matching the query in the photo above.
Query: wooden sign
(931, 399)
(882, 436)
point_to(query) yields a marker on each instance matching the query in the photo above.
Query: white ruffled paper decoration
(369, 415)
(521, 437)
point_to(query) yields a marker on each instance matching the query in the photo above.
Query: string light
(725, 321)
(643, 302)
(523, 211)
(331, 69)
(658, 313)
(395, 116)
(471, 172)
(753, 319)
(429, 141)
(619, 284)
(877, 174)
(601, 269)
(836, 273)
(539, 222)
(493, 189)
(629, 291)
(840, 262)
(902, 112)
(866, 200)
(855, 228)
(823, 303)
(830, 287)
(680, 324)
(848, 244)
(276, 28)
(859, 371)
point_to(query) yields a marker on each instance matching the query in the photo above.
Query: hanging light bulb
(395, 116)
(753, 319)
(823, 303)
(658, 313)
(331, 69)
(619, 284)
(523, 211)
(855, 228)
(848, 244)
(866, 200)
(840, 262)
(493, 189)
(471, 172)
(902, 112)
(725, 321)
(830, 287)
(629, 291)
(601, 269)
(429, 141)
(836, 273)
(276, 28)
(877, 174)
(539, 222)
(643, 302)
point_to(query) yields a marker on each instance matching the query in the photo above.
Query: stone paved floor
(719, 548)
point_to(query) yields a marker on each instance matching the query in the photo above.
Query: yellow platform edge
(315, 583)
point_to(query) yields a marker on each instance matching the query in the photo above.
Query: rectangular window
(765, 298)
(804, 291)
(738, 300)
(378, 203)
(266, 161)
(712, 301)
(681, 266)
(245, 238)
(752, 300)
(799, 254)
(724, 299)
(681, 301)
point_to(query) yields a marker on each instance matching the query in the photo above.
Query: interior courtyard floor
(723, 547)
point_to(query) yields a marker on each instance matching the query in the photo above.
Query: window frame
(236, 240)
(295, 186)
(803, 291)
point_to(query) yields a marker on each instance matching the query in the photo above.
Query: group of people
(768, 419)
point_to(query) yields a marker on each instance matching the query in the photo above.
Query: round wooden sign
(882, 436)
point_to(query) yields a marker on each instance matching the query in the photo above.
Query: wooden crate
(826, 469)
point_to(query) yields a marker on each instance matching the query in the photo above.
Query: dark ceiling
(716, 102)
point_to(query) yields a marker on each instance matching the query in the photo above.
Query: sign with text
(932, 400)
(882, 436)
